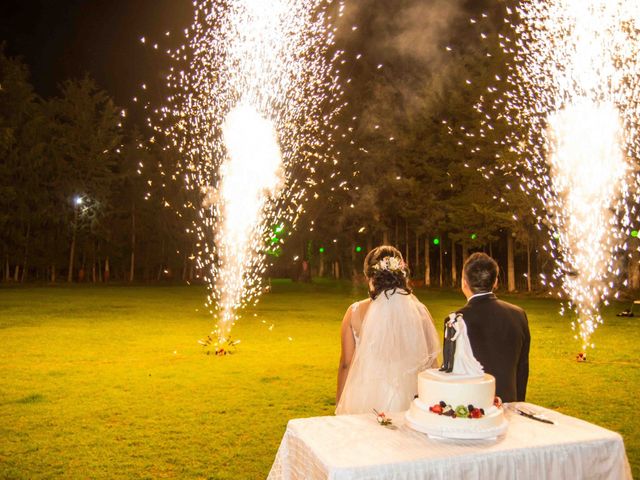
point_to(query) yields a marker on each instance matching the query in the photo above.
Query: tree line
(83, 195)
(73, 205)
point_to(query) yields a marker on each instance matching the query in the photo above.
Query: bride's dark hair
(384, 280)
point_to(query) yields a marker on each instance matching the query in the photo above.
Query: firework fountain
(572, 99)
(255, 91)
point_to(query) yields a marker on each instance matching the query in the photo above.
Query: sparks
(254, 94)
(572, 97)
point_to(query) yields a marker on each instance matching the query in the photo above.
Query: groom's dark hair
(480, 271)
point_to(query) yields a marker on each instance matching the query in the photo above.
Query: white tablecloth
(356, 447)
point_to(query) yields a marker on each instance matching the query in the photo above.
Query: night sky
(61, 39)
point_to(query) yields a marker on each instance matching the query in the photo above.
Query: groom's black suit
(499, 336)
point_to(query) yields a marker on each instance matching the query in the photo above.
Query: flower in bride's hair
(391, 264)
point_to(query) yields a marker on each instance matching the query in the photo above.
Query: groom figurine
(498, 331)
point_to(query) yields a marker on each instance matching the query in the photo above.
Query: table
(355, 447)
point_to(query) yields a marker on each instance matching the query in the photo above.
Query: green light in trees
(321, 249)
(634, 233)
(358, 249)
(556, 236)
(436, 241)
(279, 228)
(474, 236)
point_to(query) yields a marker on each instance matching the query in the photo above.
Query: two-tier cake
(457, 401)
(453, 406)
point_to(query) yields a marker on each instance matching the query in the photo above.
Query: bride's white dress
(397, 341)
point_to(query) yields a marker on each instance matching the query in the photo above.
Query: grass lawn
(110, 382)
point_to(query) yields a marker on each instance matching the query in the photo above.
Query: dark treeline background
(83, 197)
(72, 202)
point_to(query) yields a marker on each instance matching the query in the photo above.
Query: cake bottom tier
(492, 425)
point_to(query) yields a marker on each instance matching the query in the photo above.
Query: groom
(498, 331)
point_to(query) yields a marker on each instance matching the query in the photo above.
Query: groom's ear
(495, 284)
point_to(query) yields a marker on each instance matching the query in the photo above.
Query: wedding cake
(457, 401)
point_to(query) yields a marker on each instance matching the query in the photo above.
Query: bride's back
(394, 339)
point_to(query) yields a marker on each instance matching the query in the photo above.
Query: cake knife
(533, 417)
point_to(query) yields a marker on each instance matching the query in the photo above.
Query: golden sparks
(571, 99)
(254, 94)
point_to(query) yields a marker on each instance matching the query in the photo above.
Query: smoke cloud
(414, 30)
(409, 39)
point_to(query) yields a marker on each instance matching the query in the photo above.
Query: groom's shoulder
(471, 313)
(514, 314)
(496, 305)
(464, 308)
(511, 307)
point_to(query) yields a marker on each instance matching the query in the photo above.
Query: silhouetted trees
(83, 196)
(72, 202)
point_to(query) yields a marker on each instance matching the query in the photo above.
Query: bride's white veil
(397, 341)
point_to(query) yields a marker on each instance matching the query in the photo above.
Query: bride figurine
(386, 340)
(464, 363)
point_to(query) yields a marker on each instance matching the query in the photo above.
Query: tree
(88, 131)
(23, 140)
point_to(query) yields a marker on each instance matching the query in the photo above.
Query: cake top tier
(435, 374)
(435, 386)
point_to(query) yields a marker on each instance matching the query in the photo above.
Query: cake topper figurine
(449, 347)
(457, 351)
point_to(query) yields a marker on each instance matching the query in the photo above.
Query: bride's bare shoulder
(356, 308)
(361, 305)
(356, 313)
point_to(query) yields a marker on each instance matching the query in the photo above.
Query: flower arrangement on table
(382, 418)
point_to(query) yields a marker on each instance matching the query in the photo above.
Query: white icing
(434, 387)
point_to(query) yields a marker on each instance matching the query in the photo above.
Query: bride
(386, 340)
